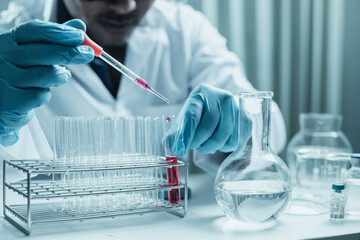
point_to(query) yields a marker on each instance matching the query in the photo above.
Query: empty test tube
(149, 141)
(139, 139)
(100, 141)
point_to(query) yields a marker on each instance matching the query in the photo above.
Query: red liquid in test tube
(173, 180)
(173, 172)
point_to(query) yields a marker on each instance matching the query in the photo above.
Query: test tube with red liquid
(172, 173)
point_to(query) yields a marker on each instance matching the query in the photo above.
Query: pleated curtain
(291, 47)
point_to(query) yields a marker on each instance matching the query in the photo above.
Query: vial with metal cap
(337, 202)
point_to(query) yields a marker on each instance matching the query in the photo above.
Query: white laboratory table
(204, 220)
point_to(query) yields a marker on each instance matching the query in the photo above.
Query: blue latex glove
(30, 59)
(207, 122)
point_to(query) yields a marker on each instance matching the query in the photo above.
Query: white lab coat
(175, 49)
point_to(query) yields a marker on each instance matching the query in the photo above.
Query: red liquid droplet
(168, 119)
(173, 180)
(142, 83)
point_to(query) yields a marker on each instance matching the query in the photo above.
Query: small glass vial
(337, 202)
(352, 181)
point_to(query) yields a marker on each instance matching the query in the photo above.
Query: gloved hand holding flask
(31, 56)
(208, 121)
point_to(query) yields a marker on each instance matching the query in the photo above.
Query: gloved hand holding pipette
(29, 66)
(208, 121)
(30, 62)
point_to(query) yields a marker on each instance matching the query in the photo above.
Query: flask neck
(319, 122)
(256, 107)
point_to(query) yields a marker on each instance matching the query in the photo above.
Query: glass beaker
(336, 165)
(307, 157)
(352, 181)
(320, 133)
(253, 184)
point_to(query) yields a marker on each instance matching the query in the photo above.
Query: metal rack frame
(23, 216)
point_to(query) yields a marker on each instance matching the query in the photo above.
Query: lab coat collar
(90, 81)
(138, 46)
(142, 41)
(50, 10)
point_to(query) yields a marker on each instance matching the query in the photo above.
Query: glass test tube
(100, 141)
(172, 173)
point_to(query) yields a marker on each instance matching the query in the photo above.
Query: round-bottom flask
(253, 184)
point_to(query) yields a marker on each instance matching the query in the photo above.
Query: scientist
(45, 72)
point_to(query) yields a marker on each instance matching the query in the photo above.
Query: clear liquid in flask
(252, 201)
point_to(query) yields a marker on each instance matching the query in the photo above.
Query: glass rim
(256, 94)
(322, 115)
(338, 155)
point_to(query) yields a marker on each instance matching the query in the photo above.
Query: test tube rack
(36, 200)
